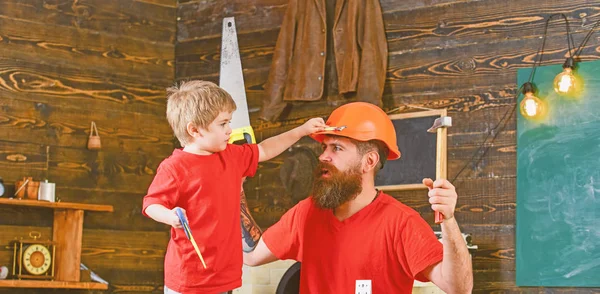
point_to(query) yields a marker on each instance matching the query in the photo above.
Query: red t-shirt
(208, 188)
(385, 242)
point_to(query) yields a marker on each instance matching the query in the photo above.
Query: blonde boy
(204, 179)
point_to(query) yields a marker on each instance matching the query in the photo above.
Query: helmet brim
(320, 136)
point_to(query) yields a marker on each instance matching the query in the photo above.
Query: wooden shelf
(56, 205)
(67, 233)
(51, 284)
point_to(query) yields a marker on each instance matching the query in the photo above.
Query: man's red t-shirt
(386, 242)
(208, 188)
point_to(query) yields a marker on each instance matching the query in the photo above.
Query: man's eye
(337, 148)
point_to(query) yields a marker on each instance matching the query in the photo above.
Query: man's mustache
(322, 166)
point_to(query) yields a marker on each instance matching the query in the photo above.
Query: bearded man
(349, 235)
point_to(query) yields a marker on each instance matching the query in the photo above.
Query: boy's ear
(193, 130)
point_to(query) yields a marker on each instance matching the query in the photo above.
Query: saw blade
(231, 77)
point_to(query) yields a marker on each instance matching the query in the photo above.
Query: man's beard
(338, 188)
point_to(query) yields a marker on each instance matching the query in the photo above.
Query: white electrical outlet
(363, 287)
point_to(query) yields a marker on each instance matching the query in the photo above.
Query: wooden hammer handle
(440, 164)
(439, 218)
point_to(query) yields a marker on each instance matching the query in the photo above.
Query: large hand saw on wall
(231, 80)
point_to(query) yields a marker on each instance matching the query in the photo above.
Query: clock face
(37, 259)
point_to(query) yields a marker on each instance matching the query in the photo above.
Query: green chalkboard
(558, 184)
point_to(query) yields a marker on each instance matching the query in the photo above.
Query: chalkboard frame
(441, 149)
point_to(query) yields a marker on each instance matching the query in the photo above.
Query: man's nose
(324, 157)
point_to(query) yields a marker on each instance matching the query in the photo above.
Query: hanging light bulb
(531, 107)
(565, 82)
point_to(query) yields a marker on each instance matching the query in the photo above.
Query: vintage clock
(33, 259)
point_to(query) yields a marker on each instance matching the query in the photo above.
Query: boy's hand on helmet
(313, 125)
(442, 196)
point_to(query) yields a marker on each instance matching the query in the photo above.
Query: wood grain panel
(504, 282)
(61, 86)
(127, 250)
(73, 167)
(467, 23)
(459, 101)
(386, 5)
(26, 40)
(495, 244)
(124, 172)
(133, 281)
(134, 19)
(479, 65)
(18, 160)
(55, 125)
(204, 19)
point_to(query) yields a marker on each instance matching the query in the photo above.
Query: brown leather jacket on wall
(298, 66)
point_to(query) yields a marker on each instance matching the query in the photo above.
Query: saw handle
(183, 221)
(244, 133)
(248, 138)
(188, 233)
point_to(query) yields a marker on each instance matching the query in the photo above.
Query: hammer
(440, 126)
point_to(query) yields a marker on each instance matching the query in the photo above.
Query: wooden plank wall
(456, 54)
(64, 64)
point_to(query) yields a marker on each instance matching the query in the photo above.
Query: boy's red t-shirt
(386, 242)
(208, 188)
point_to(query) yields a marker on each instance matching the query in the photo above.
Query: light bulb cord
(586, 39)
(542, 47)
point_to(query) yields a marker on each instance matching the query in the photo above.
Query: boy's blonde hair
(198, 102)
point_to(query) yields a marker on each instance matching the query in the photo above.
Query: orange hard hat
(363, 122)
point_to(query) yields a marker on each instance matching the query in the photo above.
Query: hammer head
(440, 122)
